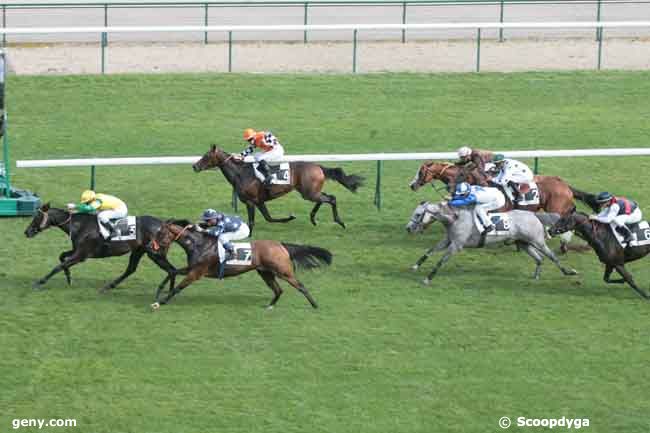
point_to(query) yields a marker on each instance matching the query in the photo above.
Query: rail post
(600, 48)
(536, 166)
(501, 21)
(106, 18)
(404, 22)
(305, 19)
(92, 177)
(478, 50)
(599, 30)
(4, 24)
(354, 52)
(378, 186)
(230, 51)
(205, 23)
(103, 43)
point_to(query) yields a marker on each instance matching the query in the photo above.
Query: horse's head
(40, 222)
(214, 157)
(421, 218)
(568, 223)
(428, 172)
(170, 231)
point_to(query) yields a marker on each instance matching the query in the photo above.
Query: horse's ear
(423, 202)
(213, 148)
(45, 207)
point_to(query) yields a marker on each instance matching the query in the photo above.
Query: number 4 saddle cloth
(280, 174)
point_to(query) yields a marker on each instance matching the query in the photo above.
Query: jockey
(473, 158)
(107, 207)
(618, 211)
(271, 150)
(225, 228)
(486, 199)
(511, 171)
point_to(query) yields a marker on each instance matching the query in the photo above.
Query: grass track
(384, 354)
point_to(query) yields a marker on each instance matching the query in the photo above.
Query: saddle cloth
(640, 234)
(280, 174)
(529, 194)
(501, 221)
(243, 255)
(125, 229)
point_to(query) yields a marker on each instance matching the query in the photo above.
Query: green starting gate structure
(13, 201)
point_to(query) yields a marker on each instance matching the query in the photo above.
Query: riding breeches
(273, 155)
(632, 218)
(241, 233)
(487, 201)
(105, 216)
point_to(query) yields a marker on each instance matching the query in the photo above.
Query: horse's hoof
(38, 285)
(573, 272)
(426, 282)
(155, 306)
(313, 221)
(415, 267)
(341, 223)
(269, 307)
(105, 289)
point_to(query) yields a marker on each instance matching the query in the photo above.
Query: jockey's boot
(230, 251)
(222, 268)
(625, 231)
(109, 227)
(489, 228)
(263, 168)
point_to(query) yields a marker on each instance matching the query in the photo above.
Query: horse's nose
(413, 186)
(195, 168)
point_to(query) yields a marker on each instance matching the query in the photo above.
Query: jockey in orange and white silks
(511, 171)
(270, 151)
(618, 211)
(107, 207)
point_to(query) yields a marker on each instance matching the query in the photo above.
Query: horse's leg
(312, 214)
(193, 275)
(270, 281)
(628, 279)
(438, 247)
(164, 264)
(608, 271)
(251, 216)
(545, 250)
(66, 271)
(335, 211)
(134, 260)
(451, 250)
(291, 279)
(71, 260)
(267, 216)
(531, 251)
(171, 278)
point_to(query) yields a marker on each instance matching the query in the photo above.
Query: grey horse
(525, 228)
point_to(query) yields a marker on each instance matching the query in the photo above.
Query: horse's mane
(179, 222)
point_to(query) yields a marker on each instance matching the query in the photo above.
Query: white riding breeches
(276, 154)
(487, 199)
(106, 215)
(242, 233)
(632, 218)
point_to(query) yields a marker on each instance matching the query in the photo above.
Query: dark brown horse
(600, 237)
(306, 178)
(270, 259)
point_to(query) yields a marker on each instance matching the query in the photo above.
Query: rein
(181, 232)
(47, 217)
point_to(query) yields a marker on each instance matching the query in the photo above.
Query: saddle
(279, 174)
(125, 229)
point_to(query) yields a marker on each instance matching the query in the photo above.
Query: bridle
(43, 225)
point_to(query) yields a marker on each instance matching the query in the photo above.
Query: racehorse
(525, 228)
(88, 243)
(306, 178)
(270, 259)
(555, 195)
(600, 237)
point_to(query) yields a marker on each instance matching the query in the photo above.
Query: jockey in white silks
(485, 199)
(618, 211)
(512, 171)
(271, 151)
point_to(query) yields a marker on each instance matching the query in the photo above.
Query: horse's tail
(351, 182)
(585, 197)
(307, 256)
(547, 218)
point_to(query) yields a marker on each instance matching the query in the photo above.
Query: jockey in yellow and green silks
(107, 207)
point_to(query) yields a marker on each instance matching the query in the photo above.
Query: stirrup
(489, 228)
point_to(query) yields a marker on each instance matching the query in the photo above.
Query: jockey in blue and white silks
(618, 211)
(485, 199)
(511, 171)
(225, 228)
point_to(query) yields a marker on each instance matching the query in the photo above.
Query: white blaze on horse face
(414, 182)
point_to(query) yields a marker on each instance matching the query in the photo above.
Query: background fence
(379, 158)
(206, 13)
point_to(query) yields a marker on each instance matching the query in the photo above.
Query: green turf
(384, 353)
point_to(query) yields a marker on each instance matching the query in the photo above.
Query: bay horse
(306, 178)
(270, 259)
(600, 237)
(88, 243)
(555, 195)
